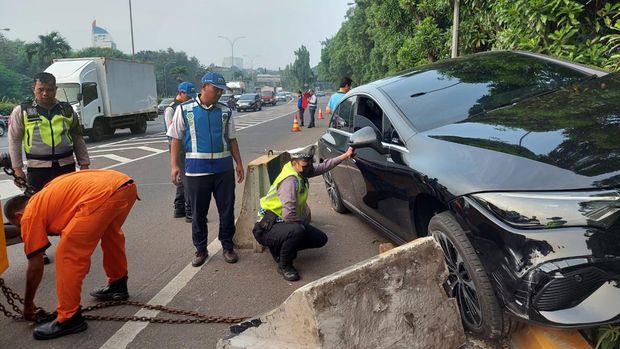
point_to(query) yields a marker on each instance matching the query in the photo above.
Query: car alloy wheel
(334, 194)
(467, 280)
(459, 284)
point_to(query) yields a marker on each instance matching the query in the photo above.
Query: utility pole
(133, 51)
(455, 30)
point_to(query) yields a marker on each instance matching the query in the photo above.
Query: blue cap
(188, 88)
(215, 79)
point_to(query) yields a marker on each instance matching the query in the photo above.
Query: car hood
(568, 139)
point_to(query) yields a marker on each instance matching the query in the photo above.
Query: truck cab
(268, 95)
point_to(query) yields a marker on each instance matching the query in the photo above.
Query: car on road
(511, 161)
(249, 101)
(164, 104)
(281, 97)
(320, 93)
(4, 124)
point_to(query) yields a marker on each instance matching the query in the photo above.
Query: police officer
(182, 208)
(50, 134)
(205, 130)
(283, 223)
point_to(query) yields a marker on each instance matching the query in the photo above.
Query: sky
(273, 29)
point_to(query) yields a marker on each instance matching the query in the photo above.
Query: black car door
(335, 142)
(383, 182)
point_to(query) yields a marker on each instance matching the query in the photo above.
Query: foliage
(299, 75)
(383, 37)
(50, 46)
(605, 337)
(100, 52)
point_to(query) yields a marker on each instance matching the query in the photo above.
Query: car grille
(570, 290)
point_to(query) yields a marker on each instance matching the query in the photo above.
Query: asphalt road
(159, 247)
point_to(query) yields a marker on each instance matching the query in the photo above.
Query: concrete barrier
(394, 300)
(535, 337)
(259, 175)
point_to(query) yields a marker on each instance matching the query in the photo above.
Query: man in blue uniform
(206, 131)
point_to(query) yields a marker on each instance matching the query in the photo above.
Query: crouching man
(83, 208)
(282, 225)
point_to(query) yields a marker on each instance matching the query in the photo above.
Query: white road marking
(126, 334)
(114, 157)
(8, 189)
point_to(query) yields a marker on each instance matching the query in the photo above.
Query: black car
(511, 161)
(249, 101)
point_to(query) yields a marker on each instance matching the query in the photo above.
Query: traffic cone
(295, 124)
(320, 114)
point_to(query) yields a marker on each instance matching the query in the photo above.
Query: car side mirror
(366, 138)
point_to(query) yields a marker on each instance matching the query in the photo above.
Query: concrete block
(536, 337)
(394, 300)
(259, 175)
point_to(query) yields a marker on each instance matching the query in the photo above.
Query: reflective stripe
(207, 155)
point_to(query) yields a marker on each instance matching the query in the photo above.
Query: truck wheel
(98, 131)
(140, 126)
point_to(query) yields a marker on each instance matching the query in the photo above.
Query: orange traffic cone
(295, 124)
(320, 114)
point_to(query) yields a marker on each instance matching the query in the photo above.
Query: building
(101, 37)
(238, 62)
(268, 79)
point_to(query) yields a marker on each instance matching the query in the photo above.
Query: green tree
(179, 72)
(300, 71)
(100, 52)
(49, 46)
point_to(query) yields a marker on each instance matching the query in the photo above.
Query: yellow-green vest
(271, 201)
(47, 139)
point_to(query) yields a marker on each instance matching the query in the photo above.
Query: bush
(604, 337)
(7, 105)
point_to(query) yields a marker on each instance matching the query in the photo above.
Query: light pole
(133, 51)
(232, 48)
(166, 78)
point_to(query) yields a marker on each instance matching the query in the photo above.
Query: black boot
(55, 329)
(288, 272)
(116, 291)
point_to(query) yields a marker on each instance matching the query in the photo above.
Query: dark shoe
(289, 273)
(46, 259)
(200, 258)
(230, 256)
(116, 291)
(55, 329)
(179, 214)
(188, 219)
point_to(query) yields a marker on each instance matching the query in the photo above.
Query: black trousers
(38, 177)
(181, 198)
(199, 190)
(311, 111)
(286, 239)
(301, 116)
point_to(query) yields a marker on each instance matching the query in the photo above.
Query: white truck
(107, 93)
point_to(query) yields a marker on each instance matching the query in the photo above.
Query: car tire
(98, 131)
(139, 127)
(467, 280)
(334, 194)
(2, 130)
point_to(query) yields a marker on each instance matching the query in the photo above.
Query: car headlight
(554, 209)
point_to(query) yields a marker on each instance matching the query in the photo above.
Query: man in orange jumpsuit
(84, 208)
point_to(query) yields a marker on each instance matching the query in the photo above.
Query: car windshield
(448, 92)
(247, 96)
(68, 93)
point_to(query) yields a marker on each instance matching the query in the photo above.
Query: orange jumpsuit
(84, 208)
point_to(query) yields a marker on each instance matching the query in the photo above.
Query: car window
(448, 92)
(368, 113)
(89, 92)
(343, 115)
(390, 135)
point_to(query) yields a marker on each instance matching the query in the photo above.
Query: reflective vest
(48, 138)
(272, 202)
(206, 143)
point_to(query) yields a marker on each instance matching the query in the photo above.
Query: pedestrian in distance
(282, 221)
(312, 101)
(84, 207)
(232, 104)
(205, 130)
(301, 107)
(50, 134)
(182, 207)
(344, 87)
